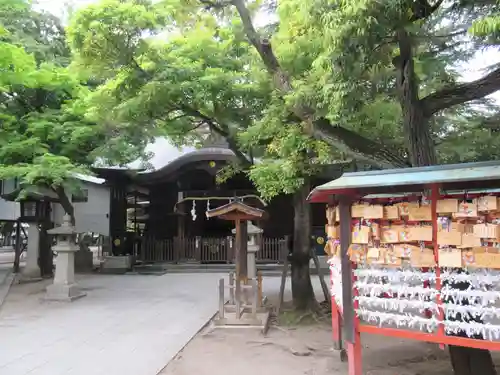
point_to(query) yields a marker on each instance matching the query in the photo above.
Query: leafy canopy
(45, 135)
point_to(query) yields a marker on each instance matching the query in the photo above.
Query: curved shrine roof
(168, 158)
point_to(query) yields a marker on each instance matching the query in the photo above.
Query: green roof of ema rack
(478, 177)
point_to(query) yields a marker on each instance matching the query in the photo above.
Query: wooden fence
(206, 250)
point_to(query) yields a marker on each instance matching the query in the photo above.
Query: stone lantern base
(63, 293)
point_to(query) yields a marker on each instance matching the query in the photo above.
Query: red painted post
(355, 362)
(354, 355)
(337, 345)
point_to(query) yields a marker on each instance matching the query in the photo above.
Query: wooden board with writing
(423, 258)
(449, 257)
(447, 206)
(422, 213)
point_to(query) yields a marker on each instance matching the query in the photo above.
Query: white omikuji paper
(410, 298)
(336, 279)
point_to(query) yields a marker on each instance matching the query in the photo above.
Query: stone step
(162, 268)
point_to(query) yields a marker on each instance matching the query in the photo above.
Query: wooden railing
(272, 250)
(157, 250)
(206, 250)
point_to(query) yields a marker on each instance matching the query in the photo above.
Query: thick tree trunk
(421, 149)
(416, 127)
(418, 137)
(46, 257)
(302, 290)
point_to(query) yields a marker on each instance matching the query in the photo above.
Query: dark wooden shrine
(159, 215)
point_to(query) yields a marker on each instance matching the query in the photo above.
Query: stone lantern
(64, 287)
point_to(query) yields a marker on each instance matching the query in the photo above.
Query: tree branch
(357, 146)
(214, 4)
(335, 136)
(233, 145)
(421, 9)
(461, 93)
(263, 46)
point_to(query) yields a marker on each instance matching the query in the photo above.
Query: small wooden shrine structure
(409, 241)
(241, 311)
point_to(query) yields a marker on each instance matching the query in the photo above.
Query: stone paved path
(127, 325)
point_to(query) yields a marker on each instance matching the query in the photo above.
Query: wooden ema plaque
(415, 233)
(447, 206)
(375, 231)
(375, 255)
(405, 251)
(487, 203)
(332, 248)
(383, 256)
(391, 213)
(358, 210)
(449, 257)
(482, 257)
(373, 212)
(332, 231)
(451, 238)
(422, 213)
(423, 258)
(360, 234)
(389, 234)
(404, 208)
(455, 226)
(490, 231)
(466, 210)
(469, 240)
(357, 253)
(331, 215)
(391, 259)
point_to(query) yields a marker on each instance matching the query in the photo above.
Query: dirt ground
(301, 350)
(304, 350)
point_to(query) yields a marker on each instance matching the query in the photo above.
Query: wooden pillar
(241, 249)
(118, 218)
(17, 256)
(181, 232)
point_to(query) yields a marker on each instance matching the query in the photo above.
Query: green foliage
(181, 68)
(346, 72)
(45, 135)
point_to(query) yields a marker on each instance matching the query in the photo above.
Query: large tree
(171, 67)
(45, 137)
(349, 41)
(203, 74)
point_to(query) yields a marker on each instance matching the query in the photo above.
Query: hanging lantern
(33, 210)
